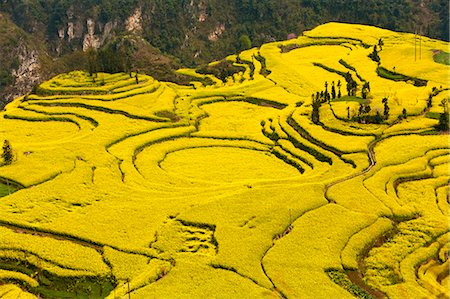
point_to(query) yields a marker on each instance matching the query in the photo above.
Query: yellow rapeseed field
(264, 184)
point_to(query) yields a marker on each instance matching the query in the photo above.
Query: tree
(404, 113)
(378, 119)
(245, 41)
(333, 91)
(339, 88)
(365, 90)
(360, 109)
(315, 112)
(443, 118)
(381, 44)
(351, 84)
(374, 55)
(7, 153)
(430, 101)
(92, 61)
(386, 108)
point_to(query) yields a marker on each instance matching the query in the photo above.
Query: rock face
(70, 33)
(90, 39)
(214, 36)
(134, 22)
(27, 75)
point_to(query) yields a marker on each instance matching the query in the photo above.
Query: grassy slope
(229, 190)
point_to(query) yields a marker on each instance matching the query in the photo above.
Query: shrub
(7, 153)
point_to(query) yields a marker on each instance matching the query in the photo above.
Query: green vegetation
(7, 153)
(339, 277)
(442, 57)
(6, 189)
(391, 75)
(221, 70)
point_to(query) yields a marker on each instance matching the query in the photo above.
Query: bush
(7, 153)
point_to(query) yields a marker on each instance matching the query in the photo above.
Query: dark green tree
(365, 90)
(245, 42)
(404, 113)
(333, 91)
(386, 108)
(92, 61)
(430, 101)
(7, 154)
(374, 55)
(443, 118)
(315, 117)
(339, 88)
(380, 44)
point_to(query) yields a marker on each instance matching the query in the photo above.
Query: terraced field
(123, 186)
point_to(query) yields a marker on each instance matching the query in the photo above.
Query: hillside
(309, 168)
(189, 33)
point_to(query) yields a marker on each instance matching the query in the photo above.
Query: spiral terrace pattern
(230, 190)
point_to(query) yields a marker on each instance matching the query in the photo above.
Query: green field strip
(12, 183)
(442, 57)
(393, 76)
